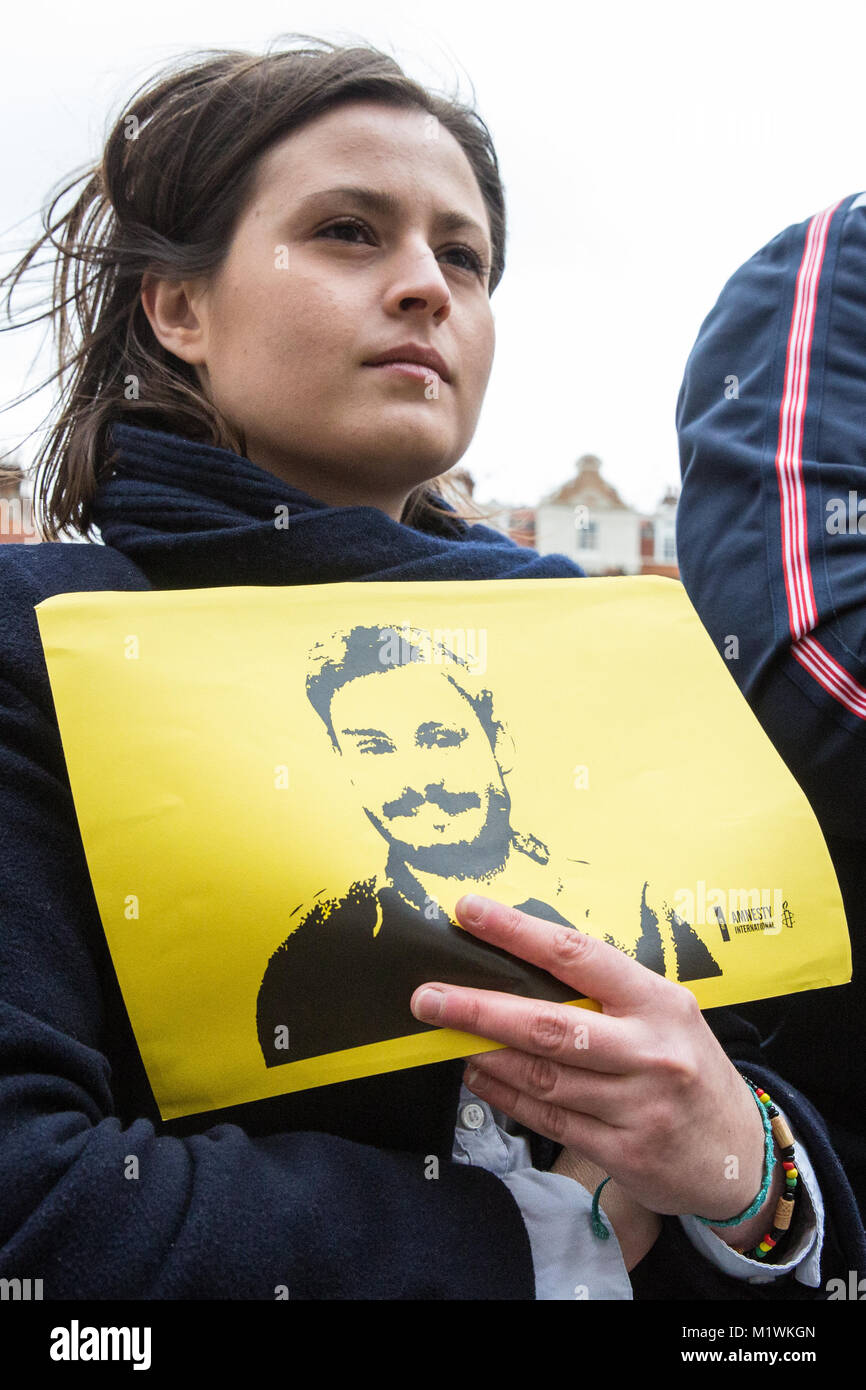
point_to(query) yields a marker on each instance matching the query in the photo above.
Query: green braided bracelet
(769, 1165)
(598, 1227)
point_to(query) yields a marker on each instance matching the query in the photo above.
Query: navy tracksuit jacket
(771, 534)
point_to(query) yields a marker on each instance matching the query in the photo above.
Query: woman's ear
(176, 311)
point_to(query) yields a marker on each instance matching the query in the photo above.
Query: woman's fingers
(571, 1128)
(602, 1095)
(596, 969)
(564, 1033)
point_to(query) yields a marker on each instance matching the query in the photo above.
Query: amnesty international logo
(737, 910)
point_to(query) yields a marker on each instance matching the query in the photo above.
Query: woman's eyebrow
(377, 200)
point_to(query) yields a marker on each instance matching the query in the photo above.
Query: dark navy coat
(326, 1191)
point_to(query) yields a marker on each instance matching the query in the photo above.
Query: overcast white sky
(647, 149)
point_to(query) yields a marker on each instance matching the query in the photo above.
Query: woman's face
(316, 282)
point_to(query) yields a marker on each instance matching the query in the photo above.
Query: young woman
(260, 233)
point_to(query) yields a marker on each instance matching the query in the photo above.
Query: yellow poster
(283, 791)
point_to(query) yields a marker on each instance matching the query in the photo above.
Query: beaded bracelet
(774, 1127)
(787, 1202)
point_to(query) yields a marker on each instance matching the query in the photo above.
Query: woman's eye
(347, 223)
(476, 265)
(475, 262)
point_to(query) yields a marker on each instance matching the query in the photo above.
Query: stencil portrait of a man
(427, 761)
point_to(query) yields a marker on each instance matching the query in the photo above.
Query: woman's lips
(409, 369)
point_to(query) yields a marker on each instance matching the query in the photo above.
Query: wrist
(745, 1167)
(636, 1227)
(749, 1232)
(768, 1218)
(568, 1164)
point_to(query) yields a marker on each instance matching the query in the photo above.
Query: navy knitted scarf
(194, 516)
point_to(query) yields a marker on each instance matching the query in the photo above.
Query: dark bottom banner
(64, 1338)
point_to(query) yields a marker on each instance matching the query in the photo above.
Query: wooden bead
(782, 1134)
(784, 1212)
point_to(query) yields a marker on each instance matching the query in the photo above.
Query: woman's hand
(635, 1227)
(642, 1089)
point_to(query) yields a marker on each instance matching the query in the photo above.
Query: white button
(472, 1116)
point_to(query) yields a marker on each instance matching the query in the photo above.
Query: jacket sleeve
(218, 1214)
(771, 523)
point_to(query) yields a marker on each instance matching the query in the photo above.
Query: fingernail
(472, 907)
(470, 1075)
(429, 1004)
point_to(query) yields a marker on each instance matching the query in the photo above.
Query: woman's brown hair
(174, 177)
